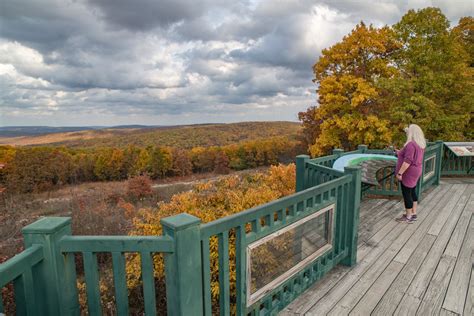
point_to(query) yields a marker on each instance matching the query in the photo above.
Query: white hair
(414, 133)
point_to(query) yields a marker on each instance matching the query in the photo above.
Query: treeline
(35, 169)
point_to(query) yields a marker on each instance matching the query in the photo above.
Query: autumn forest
(369, 86)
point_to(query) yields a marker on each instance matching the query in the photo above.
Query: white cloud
(123, 62)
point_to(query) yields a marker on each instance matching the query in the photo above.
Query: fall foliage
(36, 169)
(378, 80)
(184, 136)
(210, 201)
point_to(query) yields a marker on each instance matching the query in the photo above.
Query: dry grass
(63, 137)
(96, 208)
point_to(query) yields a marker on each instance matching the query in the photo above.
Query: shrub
(139, 187)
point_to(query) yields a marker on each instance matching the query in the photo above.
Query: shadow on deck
(425, 268)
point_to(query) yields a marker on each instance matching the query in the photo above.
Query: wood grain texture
(424, 268)
(459, 284)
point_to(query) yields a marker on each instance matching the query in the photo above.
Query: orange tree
(349, 101)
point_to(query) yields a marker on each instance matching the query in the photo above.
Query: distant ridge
(15, 131)
(181, 136)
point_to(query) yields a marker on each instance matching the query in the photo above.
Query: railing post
(439, 161)
(55, 276)
(301, 172)
(338, 152)
(419, 184)
(362, 148)
(353, 214)
(183, 267)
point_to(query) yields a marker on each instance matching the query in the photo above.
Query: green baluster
(120, 283)
(148, 281)
(91, 271)
(224, 292)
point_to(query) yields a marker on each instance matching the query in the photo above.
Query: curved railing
(320, 169)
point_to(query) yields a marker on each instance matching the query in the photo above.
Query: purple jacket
(413, 155)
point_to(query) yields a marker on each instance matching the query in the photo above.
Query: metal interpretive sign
(278, 256)
(461, 149)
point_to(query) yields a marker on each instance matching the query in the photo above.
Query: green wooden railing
(44, 274)
(117, 246)
(388, 185)
(456, 166)
(256, 223)
(431, 172)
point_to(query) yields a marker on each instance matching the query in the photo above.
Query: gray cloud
(144, 15)
(98, 62)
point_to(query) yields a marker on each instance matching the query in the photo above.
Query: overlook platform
(317, 251)
(425, 268)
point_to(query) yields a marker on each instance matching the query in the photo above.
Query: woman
(409, 169)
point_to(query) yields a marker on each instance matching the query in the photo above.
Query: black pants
(409, 196)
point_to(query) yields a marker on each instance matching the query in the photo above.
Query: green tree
(61, 167)
(433, 87)
(161, 161)
(464, 34)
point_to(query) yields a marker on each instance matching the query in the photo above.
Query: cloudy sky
(164, 62)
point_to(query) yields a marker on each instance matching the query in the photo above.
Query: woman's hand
(399, 177)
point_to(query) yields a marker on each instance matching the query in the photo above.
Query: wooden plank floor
(425, 268)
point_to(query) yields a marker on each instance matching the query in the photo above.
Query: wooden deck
(425, 268)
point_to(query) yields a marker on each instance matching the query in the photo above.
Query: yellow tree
(210, 201)
(350, 110)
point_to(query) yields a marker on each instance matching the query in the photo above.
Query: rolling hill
(186, 136)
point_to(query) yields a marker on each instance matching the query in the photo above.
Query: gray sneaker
(402, 218)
